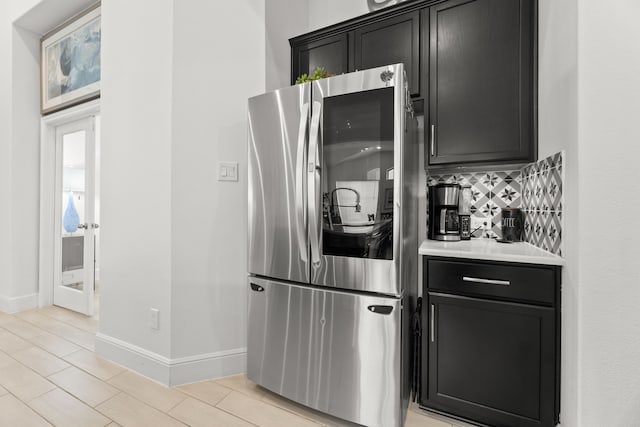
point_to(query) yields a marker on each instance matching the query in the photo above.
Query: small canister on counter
(512, 225)
(464, 210)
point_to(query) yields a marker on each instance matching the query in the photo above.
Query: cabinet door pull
(486, 281)
(433, 140)
(431, 323)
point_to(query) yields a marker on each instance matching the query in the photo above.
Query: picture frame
(70, 66)
(388, 199)
(380, 4)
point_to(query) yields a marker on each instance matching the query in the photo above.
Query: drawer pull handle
(486, 281)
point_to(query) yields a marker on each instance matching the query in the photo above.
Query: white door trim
(48, 126)
(79, 300)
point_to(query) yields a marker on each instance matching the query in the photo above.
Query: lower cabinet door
(337, 352)
(491, 362)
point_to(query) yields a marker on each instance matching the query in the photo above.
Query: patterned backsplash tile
(543, 202)
(490, 191)
(536, 189)
(544, 230)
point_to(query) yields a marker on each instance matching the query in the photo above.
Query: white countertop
(490, 250)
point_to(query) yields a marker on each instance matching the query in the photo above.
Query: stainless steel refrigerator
(332, 259)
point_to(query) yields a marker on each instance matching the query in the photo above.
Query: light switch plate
(154, 318)
(227, 171)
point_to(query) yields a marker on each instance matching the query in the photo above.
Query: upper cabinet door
(391, 41)
(481, 88)
(332, 53)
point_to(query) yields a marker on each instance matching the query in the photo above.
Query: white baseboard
(137, 359)
(171, 372)
(206, 366)
(16, 304)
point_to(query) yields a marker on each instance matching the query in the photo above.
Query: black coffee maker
(444, 221)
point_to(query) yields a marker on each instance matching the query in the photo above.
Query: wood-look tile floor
(49, 375)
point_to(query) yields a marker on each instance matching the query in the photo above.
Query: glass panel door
(73, 208)
(75, 222)
(357, 178)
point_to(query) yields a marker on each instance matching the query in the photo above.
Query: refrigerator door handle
(301, 214)
(314, 183)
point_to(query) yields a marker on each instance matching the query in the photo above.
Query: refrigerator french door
(355, 182)
(333, 243)
(277, 230)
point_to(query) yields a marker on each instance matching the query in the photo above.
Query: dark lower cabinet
(492, 360)
(332, 53)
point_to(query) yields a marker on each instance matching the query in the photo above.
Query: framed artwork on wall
(388, 199)
(70, 62)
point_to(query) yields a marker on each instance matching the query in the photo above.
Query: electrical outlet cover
(154, 321)
(477, 222)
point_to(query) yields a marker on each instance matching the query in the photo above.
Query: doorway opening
(77, 229)
(70, 210)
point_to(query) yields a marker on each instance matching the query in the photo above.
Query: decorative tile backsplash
(536, 189)
(490, 191)
(543, 203)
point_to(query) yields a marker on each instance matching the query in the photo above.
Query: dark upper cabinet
(481, 82)
(332, 53)
(471, 66)
(391, 41)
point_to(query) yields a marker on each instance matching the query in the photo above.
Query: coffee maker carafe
(444, 221)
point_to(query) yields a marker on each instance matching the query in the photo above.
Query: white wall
(26, 154)
(329, 12)
(136, 107)
(558, 130)
(19, 158)
(6, 142)
(174, 102)
(283, 19)
(609, 135)
(589, 102)
(211, 83)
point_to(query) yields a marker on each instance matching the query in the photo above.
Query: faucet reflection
(357, 205)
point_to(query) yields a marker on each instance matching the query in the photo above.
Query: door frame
(48, 124)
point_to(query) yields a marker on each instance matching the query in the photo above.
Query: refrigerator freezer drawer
(337, 352)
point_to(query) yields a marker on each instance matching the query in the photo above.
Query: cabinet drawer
(517, 282)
